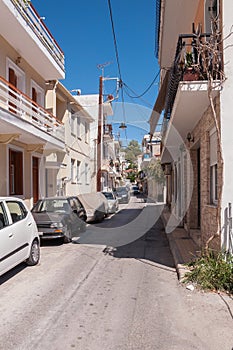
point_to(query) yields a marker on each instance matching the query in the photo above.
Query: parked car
(135, 190)
(59, 217)
(113, 204)
(19, 239)
(95, 204)
(122, 194)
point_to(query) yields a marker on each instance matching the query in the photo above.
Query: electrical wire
(128, 94)
(114, 38)
(149, 87)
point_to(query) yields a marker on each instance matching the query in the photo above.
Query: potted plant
(189, 71)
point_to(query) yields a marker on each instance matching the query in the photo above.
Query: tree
(154, 170)
(132, 151)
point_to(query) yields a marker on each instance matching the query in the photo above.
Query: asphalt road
(90, 296)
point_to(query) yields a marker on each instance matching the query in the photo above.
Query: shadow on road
(151, 247)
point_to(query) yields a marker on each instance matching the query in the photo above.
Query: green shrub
(212, 271)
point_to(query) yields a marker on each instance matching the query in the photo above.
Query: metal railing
(204, 59)
(108, 130)
(19, 104)
(35, 22)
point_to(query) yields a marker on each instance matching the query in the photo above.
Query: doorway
(35, 179)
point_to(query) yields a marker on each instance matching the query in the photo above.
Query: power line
(114, 38)
(127, 93)
(149, 87)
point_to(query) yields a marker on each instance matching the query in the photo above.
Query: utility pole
(100, 123)
(99, 135)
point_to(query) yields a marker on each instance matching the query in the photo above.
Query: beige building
(44, 132)
(108, 146)
(69, 172)
(29, 59)
(195, 53)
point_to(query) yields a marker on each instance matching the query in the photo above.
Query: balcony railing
(186, 45)
(16, 102)
(35, 22)
(108, 130)
(197, 58)
(146, 157)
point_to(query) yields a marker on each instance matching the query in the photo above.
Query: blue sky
(83, 31)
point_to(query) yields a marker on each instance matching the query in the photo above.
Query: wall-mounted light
(167, 168)
(190, 137)
(49, 82)
(122, 126)
(18, 60)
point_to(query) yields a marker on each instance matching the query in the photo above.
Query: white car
(113, 205)
(19, 239)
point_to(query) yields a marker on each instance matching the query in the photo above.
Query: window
(86, 173)
(211, 11)
(15, 172)
(78, 170)
(78, 127)
(72, 123)
(72, 175)
(37, 93)
(15, 75)
(86, 132)
(3, 217)
(17, 211)
(213, 167)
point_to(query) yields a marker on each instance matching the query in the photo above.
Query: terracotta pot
(190, 75)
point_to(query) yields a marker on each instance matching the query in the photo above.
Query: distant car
(19, 239)
(122, 194)
(135, 190)
(113, 204)
(95, 204)
(59, 217)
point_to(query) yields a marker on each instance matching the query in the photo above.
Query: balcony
(187, 91)
(25, 31)
(107, 133)
(20, 115)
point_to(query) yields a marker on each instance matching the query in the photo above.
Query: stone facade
(202, 215)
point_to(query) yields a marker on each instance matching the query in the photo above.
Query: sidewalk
(182, 246)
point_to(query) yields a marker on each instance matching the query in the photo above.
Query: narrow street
(96, 297)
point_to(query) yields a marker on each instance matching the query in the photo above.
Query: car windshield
(52, 206)
(108, 195)
(121, 189)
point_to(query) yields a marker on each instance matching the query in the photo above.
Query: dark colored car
(135, 190)
(123, 195)
(59, 217)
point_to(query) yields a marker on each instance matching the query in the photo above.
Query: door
(35, 178)
(15, 172)
(21, 228)
(34, 108)
(7, 242)
(12, 93)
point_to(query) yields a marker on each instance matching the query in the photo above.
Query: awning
(159, 104)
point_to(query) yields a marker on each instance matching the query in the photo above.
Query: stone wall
(208, 212)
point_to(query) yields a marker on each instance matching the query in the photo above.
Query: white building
(196, 98)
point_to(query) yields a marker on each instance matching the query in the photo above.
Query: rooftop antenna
(101, 66)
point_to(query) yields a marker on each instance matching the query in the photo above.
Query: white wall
(226, 107)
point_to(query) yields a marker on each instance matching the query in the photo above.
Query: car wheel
(34, 256)
(67, 237)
